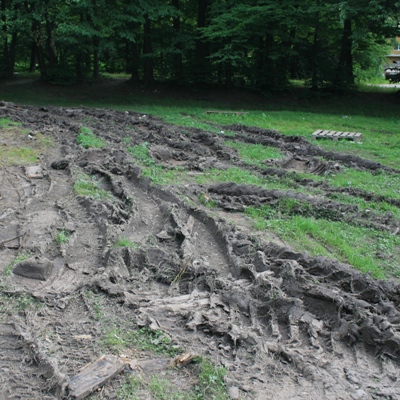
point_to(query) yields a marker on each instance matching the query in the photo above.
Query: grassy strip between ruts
(366, 249)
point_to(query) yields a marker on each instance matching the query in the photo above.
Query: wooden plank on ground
(94, 376)
(226, 112)
(319, 134)
(316, 133)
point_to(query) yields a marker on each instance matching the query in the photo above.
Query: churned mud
(284, 324)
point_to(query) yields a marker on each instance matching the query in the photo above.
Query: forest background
(250, 43)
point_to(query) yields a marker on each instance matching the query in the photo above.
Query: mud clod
(34, 268)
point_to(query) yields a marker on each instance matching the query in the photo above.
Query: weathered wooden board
(335, 135)
(226, 112)
(94, 376)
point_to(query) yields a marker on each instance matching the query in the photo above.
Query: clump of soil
(278, 320)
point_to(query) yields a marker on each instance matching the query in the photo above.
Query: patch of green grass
(380, 182)
(261, 215)
(62, 237)
(242, 176)
(156, 173)
(163, 176)
(375, 207)
(254, 154)
(19, 156)
(234, 174)
(141, 153)
(125, 242)
(87, 139)
(366, 249)
(6, 122)
(211, 381)
(145, 339)
(88, 185)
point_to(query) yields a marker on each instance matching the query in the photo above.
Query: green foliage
(171, 41)
(86, 138)
(62, 237)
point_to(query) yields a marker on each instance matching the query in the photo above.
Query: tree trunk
(177, 58)
(344, 71)
(96, 63)
(7, 69)
(314, 55)
(228, 74)
(148, 73)
(33, 58)
(134, 62)
(201, 46)
(12, 53)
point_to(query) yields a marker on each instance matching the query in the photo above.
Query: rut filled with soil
(283, 323)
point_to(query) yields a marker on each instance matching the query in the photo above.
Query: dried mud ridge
(280, 321)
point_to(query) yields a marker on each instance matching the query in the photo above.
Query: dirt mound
(278, 320)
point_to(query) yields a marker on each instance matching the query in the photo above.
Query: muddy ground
(284, 324)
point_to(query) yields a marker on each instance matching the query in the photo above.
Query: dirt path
(285, 325)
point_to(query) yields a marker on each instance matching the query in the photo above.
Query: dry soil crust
(284, 324)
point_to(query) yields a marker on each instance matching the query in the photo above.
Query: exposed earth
(284, 324)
